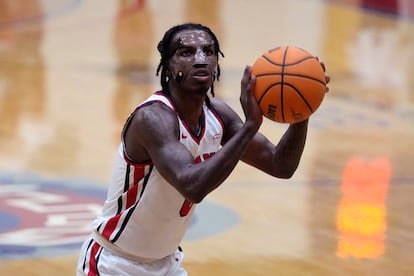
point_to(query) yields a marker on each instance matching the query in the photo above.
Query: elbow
(195, 190)
(194, 197)
(189, 188)
(285, 169)
(197, 200)
(193, 194)
(285, 173)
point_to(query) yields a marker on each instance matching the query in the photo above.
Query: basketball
(290, 84)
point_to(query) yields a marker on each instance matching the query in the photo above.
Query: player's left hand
(327, 77)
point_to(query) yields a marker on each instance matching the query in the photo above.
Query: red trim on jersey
(110, 226)
(159, 93)
(131, 198)
(95, 251)
(132, 163)
(214, 112)
(146, 103)
(139, 172)
(196, 138)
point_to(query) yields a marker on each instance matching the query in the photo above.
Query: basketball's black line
(274, 49)
(290, 64)
(281, 103)
(290, 75)
(282, 84)
(282, 75)
(300, 94)
(267, 90)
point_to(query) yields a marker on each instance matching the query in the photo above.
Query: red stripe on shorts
(93, 271)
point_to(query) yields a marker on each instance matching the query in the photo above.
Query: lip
(201, 74)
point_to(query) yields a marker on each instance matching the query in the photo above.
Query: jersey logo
(183, 136)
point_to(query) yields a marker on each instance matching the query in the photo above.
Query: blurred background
(71, 71)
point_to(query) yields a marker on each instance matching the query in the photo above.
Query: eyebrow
(180, 46)
(180, 42)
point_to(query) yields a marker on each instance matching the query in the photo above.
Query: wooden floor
(71, 71)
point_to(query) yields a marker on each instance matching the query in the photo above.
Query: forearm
(207, 176)
(288, 151)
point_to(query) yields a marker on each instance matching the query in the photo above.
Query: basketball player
(177, 147)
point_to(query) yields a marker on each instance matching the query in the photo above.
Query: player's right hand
(248, 102)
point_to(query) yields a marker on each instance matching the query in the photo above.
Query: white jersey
(144, 217)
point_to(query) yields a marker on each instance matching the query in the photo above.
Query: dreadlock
(166, 49)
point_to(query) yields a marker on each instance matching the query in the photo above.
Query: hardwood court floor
(71, 71)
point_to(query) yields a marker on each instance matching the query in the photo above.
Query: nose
(200, 57)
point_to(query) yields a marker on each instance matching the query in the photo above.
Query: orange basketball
(290, 84)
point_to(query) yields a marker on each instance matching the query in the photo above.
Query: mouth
(202, 75)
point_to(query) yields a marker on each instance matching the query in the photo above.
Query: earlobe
(168, 73)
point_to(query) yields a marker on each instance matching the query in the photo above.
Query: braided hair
(166, 49)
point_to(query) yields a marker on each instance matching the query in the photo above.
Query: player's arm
(154, 131)
(280, 160)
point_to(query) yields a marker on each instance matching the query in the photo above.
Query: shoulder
(152, 114)
(150, 127)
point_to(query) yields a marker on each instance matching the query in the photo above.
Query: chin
(202, 89)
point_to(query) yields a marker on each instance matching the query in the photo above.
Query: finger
(328, 79)
(246, 75)
(247, 71)
(323, 66)
(251, 83)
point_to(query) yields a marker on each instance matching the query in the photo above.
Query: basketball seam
(282, 84)
(279, 63)
(290, 85)
(267, 90)
(290, 75)
(290, 64)
(300, 94)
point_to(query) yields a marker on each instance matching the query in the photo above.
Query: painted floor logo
(41, 218)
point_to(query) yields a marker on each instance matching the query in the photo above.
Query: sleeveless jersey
(144, 216)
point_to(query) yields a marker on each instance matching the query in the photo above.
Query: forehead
(193, 37)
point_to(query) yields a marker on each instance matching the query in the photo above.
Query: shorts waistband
(117, 251)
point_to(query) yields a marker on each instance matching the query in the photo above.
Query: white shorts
(96, 260)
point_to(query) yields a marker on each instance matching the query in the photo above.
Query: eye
(209, 51)
(186, 53)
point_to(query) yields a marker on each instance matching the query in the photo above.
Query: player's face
(196, 58)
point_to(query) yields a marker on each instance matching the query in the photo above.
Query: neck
(189, 106)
